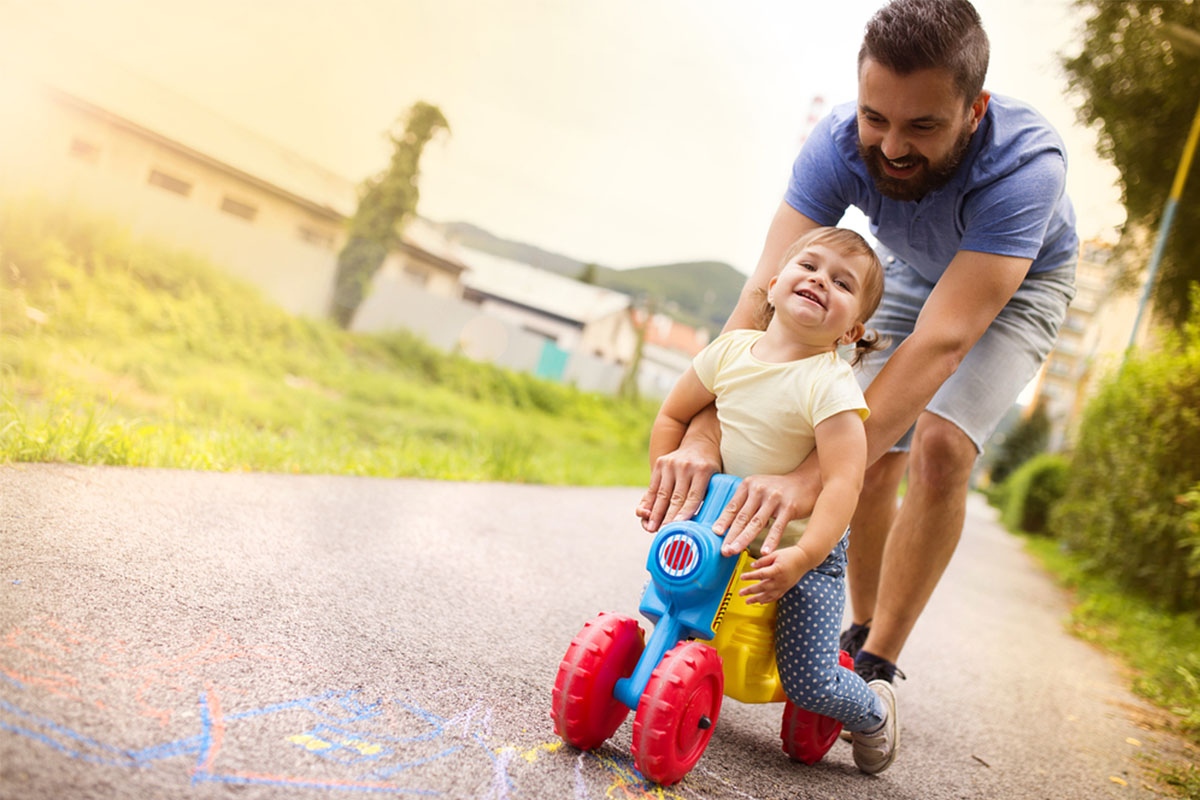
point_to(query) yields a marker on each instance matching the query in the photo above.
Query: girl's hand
(774, 574)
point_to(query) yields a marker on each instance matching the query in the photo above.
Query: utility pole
(1188, 41)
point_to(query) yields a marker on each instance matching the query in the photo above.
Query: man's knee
(883, 477)
(942, 454)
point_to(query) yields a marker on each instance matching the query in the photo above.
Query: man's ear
(854, 334)
(979, 108)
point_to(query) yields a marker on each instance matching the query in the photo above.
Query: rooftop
(531, 287)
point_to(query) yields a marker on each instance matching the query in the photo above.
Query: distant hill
(477, 238)
(699, 293)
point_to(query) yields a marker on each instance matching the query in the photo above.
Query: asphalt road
(173, 634)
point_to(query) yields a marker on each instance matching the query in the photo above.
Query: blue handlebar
(689, 579)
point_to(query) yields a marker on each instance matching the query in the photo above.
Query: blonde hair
(847, 243)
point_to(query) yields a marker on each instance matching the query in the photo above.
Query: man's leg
(869, 529)
(925, 532)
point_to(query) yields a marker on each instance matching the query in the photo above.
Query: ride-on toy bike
(674, 682)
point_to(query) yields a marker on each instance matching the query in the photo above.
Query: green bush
(1126, 507)
(1031, 492)
(1026, 439)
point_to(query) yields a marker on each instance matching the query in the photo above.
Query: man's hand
(775, 573)
(763, 498)
(678, 483)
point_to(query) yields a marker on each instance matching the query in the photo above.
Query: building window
(170, 183)
(85, 150)
(314, 236)
(238, 209)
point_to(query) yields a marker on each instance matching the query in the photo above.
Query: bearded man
(964, 192)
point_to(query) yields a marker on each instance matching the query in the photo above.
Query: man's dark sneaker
(853, 637)
(871, 667)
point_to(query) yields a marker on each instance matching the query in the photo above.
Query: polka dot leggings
(806, 648)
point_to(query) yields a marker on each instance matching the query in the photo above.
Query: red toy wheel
(807, 736)
(584, 711)
(677, 712)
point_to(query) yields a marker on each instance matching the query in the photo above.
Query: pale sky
(624, 132)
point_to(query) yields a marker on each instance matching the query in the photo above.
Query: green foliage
(386, 201)
(357, 263)
(1191, 524)
(1139, 85)
(1029, 493)
(1026, 439)
(119, 352)
(701, 294)
(1129, 507)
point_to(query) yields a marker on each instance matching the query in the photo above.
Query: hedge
(1133, 487)
(1031, 492)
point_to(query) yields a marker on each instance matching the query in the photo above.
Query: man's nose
(893, 145)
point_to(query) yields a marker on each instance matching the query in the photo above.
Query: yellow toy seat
(745, 640)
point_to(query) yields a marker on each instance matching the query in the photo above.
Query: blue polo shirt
(1008, 196)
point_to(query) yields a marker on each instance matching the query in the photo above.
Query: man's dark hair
(910, 35)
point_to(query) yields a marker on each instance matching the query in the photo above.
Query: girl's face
(819, 292)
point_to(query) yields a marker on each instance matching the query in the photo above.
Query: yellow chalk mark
(364, 748)
(315, 744)
(1133, 742)
(1118, 781)
(532, 753)
(628, 784)
(310, 742)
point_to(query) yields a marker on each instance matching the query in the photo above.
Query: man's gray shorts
(986, 385)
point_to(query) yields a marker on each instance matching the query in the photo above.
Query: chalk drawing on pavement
(339, 739)
(74, 694)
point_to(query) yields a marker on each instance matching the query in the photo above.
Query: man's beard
(928, 178)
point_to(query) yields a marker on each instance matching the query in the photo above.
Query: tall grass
(116, 351)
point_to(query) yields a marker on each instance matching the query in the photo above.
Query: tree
(1140, 85)
(628, 390)
(385, 203)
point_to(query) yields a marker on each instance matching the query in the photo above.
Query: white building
(574, 315)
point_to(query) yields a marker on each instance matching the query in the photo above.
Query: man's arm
(967, 298)
(965, 301)
(687, 398)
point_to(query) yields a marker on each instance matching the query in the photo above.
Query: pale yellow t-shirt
(768, 412)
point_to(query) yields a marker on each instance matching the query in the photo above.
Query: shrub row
(1131, 493)
(1026, 498)
(1127, 498)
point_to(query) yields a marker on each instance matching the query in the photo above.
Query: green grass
(1160, 650)
(115, 351)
